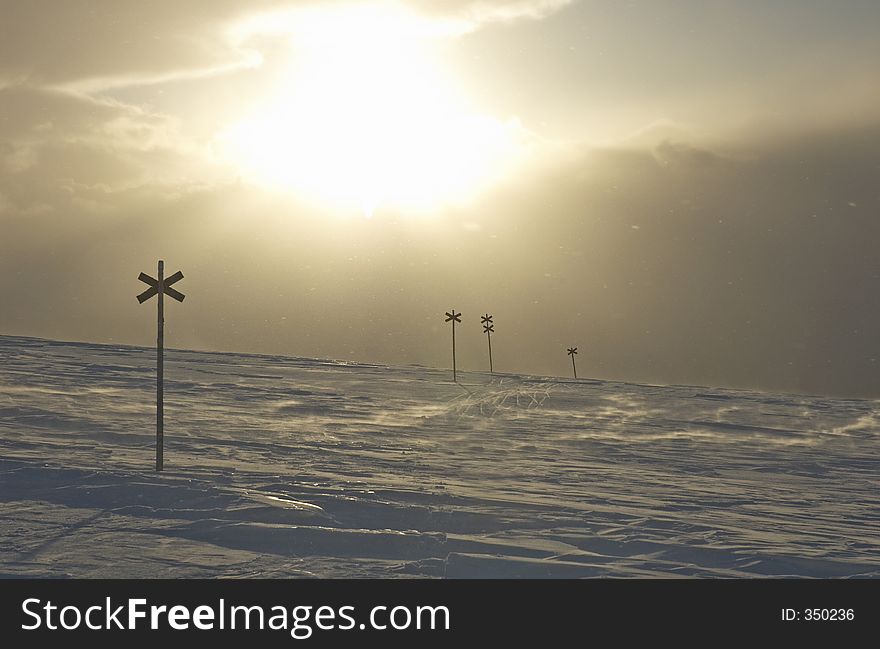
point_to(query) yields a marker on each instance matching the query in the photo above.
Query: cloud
(478, 12)
(96, 44)
(745, 270)
(39, 114)
(53, 144)
(669, 152)
(749, 266)
(101, 43)
(668, 257)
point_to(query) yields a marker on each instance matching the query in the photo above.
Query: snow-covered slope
(285, 467)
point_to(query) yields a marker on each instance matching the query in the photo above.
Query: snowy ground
(286, 467)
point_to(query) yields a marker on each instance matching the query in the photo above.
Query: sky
(689, 192)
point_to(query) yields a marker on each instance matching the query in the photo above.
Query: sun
(365, 116)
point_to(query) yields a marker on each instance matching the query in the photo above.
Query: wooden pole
(574, 367)
(489, 335)
(454, 376)
(160, 287)
(160, 351)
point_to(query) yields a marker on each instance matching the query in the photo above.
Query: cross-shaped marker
(160, 287)
(572, 351)
(166, 287)
(488, 329)
(453, 317)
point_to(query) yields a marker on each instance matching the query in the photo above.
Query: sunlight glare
(367, 118)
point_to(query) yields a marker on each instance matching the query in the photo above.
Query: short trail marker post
(572, 351)
(488, 328)
(453, 317)
(160, 287)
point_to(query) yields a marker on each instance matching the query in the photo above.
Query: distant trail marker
(572, 351)
(160, 287)
(453, 317)
(488, 328)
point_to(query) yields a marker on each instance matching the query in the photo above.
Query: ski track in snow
(287, 467)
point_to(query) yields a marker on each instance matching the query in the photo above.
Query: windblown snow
(290, 467)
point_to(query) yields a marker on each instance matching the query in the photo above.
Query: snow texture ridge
(288, 467)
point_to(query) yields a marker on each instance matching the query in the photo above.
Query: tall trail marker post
(572, 351)
(160, 287)
(488, 328)
(453, 317)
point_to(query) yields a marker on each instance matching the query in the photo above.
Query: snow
(290, 467)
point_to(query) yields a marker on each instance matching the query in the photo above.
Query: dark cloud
(688, 265)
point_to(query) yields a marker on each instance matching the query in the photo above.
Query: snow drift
(288, 467)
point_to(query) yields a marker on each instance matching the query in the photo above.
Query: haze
(687, 191)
